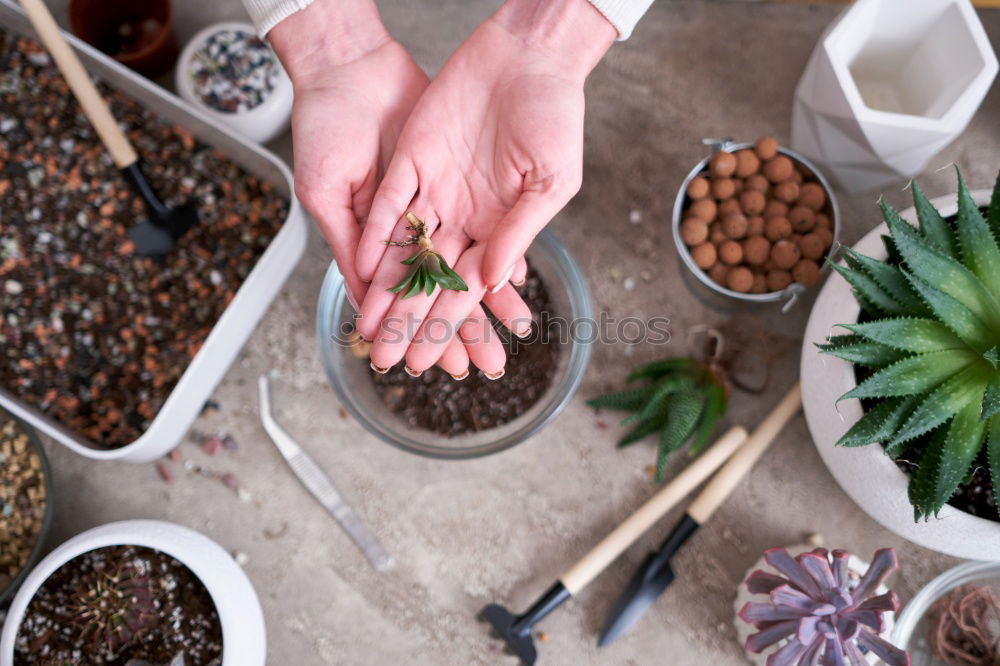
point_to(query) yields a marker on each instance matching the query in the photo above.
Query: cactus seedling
(428, 268)
(681, 399)
(932, 345)
(820, 612)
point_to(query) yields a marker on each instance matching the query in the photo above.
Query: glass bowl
(350, 376)
(36, 551)
(911, 627)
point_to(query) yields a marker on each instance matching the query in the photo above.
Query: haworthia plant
(933, 342)
(680, 400)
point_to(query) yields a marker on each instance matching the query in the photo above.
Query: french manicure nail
(519, 283)
(462, 376)
(377, 369)
(412, 373)
(499, 285)
(523, 332)
(495, 375)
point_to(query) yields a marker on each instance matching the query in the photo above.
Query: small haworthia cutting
(819, 611)
(932, 342)
(428, 268)
(681, 399)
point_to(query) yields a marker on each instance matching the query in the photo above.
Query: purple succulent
(823, 612)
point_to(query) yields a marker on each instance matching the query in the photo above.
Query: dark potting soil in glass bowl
(436, 416)
(976, 495)
(116, 604)
(91, 334)
(437, 402)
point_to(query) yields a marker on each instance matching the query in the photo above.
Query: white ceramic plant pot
(870, 477)
(744, 630)
(240, 614)
(260, 124)
(889, 85)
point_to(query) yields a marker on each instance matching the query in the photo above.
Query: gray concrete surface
(503, 528)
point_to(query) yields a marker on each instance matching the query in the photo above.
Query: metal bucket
(719, 297)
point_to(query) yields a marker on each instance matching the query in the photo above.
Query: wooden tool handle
(623, 536)
(722, 484)
(86, 92)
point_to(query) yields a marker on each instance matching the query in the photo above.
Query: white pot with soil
(212, 596)
(871, 478)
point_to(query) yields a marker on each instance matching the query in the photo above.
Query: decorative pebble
(635, 217)
(629, 284)
(234, 71)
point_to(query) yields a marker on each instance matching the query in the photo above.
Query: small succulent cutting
(427, 267)
(681, 399)
(932, 344)
(820, 612)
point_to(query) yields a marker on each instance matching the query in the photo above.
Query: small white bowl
(263, 122)
(240, 614)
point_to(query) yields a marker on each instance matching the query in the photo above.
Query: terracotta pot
(139, 35)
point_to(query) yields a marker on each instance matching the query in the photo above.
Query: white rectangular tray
(248, 306)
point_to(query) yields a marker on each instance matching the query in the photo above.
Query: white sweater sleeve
(623, 14)
(266, 14)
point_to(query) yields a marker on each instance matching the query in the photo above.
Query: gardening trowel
(157, 235)
(655, 573)
(516, 630)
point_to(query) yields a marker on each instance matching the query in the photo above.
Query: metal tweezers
(318, 483)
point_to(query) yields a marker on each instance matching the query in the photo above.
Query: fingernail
(462, 376)
(499, 285)
(523, 332)
(377, 369)
(495, 375)
(520, 283)
(354, 303)
(412, 373)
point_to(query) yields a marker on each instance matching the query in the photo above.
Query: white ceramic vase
(890, 84)
(243, 635)
(870, 477)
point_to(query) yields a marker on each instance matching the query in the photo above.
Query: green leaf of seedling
(935, 228)
(940, 405)
(416, 283)
(952, 313)
(991, 399)
(912, 375)
(961, 446)
(411, 260)
(993, 450)
(888, 277)
(405, 282)
(979, 246)
(623, 400)
(991, 356)
(923, 480)
(684, 410)
(715, 408)
(657, 368)
(660, 398)
(454, 280)
(993, 217)
(868, 292)
(855, 349)
(878, 423)
(945, 273)
(908, 334)
(429, 285)
(643, 430)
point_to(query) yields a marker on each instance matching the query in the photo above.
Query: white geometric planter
(244, 641)
(865, 473)
(890, 84)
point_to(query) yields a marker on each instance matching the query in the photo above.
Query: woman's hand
(492, 151)
(354, 89)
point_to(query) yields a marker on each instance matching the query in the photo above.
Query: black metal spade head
(519, 642)
(157, 235)
(515, 630)
(646, 586)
